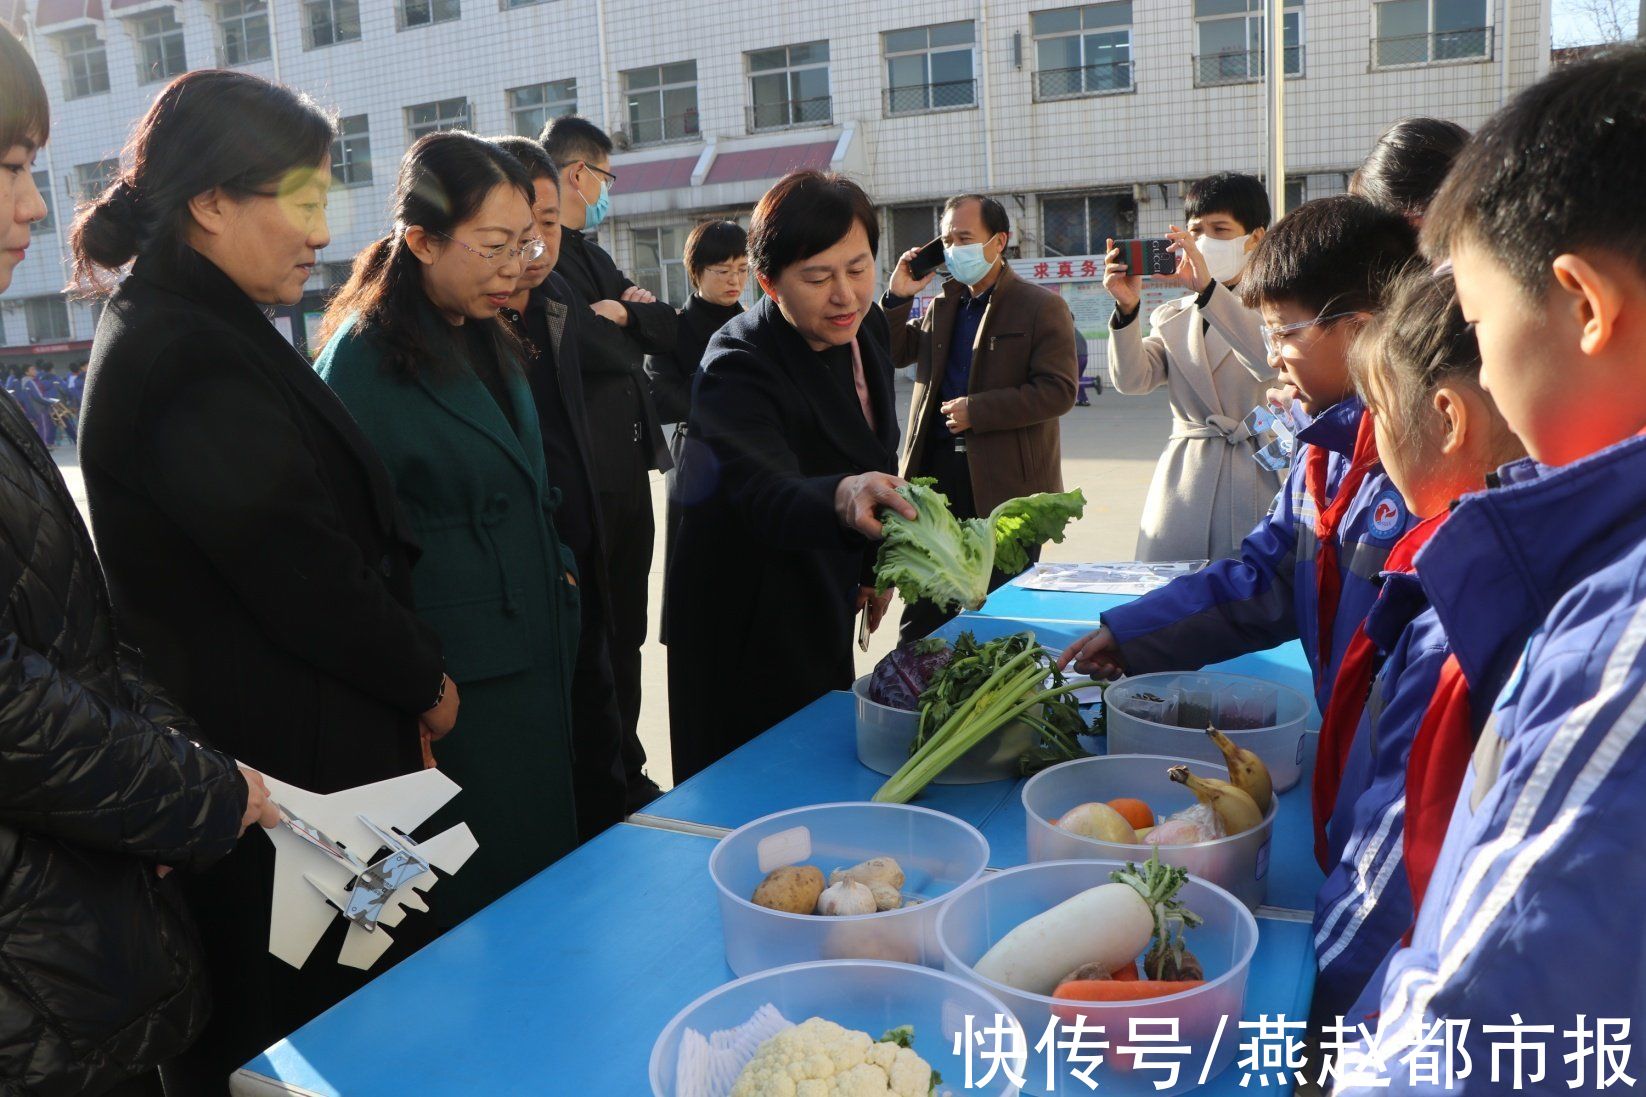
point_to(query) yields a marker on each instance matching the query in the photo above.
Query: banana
(1246, 770)
(1234, 808)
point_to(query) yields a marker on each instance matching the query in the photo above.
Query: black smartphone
(1146, 257)
(927, 259)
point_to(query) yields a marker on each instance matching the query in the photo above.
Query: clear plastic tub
(1280, 745)
(974, 920)
(884, 734)
(1239, 863)
(864, 995)
(938, 853)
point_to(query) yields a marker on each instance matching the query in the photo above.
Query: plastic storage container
(864, 995)
(884, 734)
(1239, 863)
(974, 920)
(1280, 745)
(938, 854)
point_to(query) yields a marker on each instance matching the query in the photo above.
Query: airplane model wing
(328, 851)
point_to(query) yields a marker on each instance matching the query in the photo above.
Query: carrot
(1135, 812)
(1122, 990)
(1125, 974)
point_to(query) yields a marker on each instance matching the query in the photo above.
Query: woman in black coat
(791, 442)
(248, 530)
(101, 785)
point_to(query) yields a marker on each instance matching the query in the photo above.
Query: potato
(1098, 821)
(793, 888)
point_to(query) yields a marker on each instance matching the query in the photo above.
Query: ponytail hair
(209, 128)
(444, 180)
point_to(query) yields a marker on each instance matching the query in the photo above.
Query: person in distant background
(1407, 165)
(717, 266)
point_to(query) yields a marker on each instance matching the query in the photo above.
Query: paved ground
(1109, 450)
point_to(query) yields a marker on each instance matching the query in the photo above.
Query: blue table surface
(563, 985)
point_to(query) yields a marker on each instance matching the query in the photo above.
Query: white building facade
(1086, 120)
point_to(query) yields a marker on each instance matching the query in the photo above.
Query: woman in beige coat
(1207, 348)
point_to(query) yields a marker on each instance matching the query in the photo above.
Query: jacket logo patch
(1388, 514)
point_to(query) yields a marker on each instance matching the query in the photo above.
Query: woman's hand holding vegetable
(858, 499)
(1097, 654)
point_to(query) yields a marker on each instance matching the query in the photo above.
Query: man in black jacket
(626, 324)
(545, 313)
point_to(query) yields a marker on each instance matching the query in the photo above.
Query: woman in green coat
(415, 349)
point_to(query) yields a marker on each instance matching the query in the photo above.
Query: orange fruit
(1135, 812)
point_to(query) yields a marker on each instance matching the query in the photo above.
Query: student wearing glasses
(717, 266)
(415, 348)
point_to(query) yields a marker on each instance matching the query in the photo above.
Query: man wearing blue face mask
(625, 434)
(995, 370)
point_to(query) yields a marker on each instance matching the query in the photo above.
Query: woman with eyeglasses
(717, 266)
(415, 347)
(248, 529)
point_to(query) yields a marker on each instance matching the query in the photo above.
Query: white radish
(1108, 925)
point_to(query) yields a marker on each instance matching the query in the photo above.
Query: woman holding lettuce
(793, 436)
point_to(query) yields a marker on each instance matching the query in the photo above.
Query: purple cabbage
(901, 677)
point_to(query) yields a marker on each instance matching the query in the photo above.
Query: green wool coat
(499, 589)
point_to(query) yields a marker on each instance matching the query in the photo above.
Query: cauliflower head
(819, 1058)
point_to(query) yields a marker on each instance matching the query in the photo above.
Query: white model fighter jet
(348, 853)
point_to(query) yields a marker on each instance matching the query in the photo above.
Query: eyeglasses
(531, 249)
(610, 176)
(728, 272)
(1272, 337)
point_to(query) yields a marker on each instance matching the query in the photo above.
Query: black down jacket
(100, 973)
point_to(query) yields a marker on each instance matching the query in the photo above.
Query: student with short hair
(1207, 491)
(1531, 916)
(1417, 369)
(1308, 569)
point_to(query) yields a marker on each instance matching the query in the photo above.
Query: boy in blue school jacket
(1315, 278)
(1530, 930)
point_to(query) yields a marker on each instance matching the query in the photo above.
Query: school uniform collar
(1335, 428)
(1507, 555)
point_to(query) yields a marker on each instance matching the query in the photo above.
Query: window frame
(1252, 22)
(547, 105)
(1125, 221)
(42, 183)
(351, 150)
(244, 19)
(790, 71)
(927, 52)
(1082, 35)
(403, 20)
(76, 56)
(657, 279)
(55, 335)
(331, 6)
(692, 118)
(1487, 31)
(143, 39)
(76, 184)
(415, 133)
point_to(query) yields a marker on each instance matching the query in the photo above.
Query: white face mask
(1224, 258)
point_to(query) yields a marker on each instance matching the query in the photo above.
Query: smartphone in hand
(1153, 256)
(928, 259)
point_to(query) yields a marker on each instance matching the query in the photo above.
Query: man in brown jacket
(996, 369)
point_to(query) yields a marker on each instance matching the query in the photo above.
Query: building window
(242, 32)
(789, 86)
(90, 180)
(911, 227)
(929, 68)
(662, 102)
(427, 118)
(510, 5)
(48, 318)
(329, 22)
(1083, 51)
(85, 63)
(424, 13)
(159, 39)
(658, 263)
(42, 183)
(1079, 224)
(531, 107)
(1418, 32)
(1231, 41)
(351, 152)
